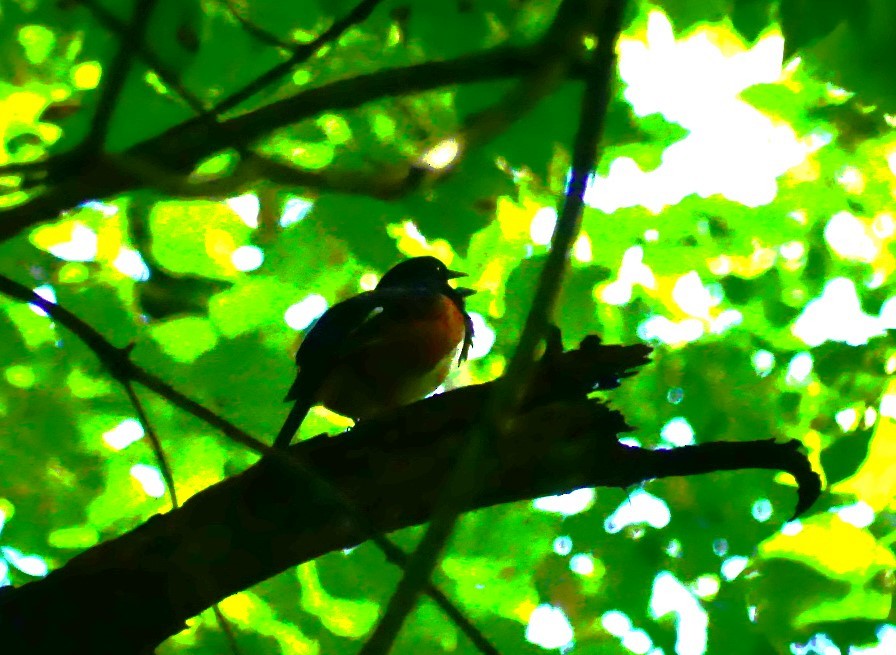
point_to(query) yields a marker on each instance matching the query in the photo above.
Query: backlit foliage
(742, 221)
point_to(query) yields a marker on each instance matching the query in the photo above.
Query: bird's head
(426, 273)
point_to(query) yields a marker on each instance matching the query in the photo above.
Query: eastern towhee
(383, 348)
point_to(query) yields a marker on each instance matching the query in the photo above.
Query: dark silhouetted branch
(120, 366)
(300, 54)
(71, 182)
(147, 583)
(576, 16)
(171, 78)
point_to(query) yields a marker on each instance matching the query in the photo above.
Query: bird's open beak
(455, 274)
(463, 293)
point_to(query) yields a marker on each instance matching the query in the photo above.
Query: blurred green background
(741, 222)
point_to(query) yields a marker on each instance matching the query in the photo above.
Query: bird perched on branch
(383, 348)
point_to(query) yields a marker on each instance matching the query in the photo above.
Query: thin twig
(257, 31)
(183, 146)
(301, 54)
(464, 480)
(227, 629)
(120, 366)
(171, 78)
(118, 73)
(154, 442)
(168, 476)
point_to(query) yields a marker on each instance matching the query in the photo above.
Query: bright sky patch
(574, 502)
(731, 149)
(549, 628)
(305, 312)
(150, 480)
(639, 507)
(669, 596)
(294, 210)
(246, 207)
(124, 434)
(677, 432)
(837, 316)
(130, 263)
(247, 258)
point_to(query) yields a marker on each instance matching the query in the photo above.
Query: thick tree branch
(247, 528)
(120, 366)
(71, 180)
(277, 514)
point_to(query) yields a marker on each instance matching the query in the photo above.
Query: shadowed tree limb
(120, 366)
(146, 583)
(168, 477)
(302, 52)
(605, 20)
(277, 513)
(69, 180)
(131, 43)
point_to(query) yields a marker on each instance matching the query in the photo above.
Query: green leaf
(804, 22)
(751, 17)
(845, 455)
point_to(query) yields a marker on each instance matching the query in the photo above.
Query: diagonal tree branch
(120, 366)
(464, 483)
(265, 520)
(171, 79)
(168, 476)
(301, 54)
(72, 181)
(131, 38)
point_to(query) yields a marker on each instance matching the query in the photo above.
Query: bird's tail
(293, 421)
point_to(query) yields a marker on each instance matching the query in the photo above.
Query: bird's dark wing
(351, 324)
(328, 338)
(342, 328)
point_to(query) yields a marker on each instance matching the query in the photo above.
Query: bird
(383, 348)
